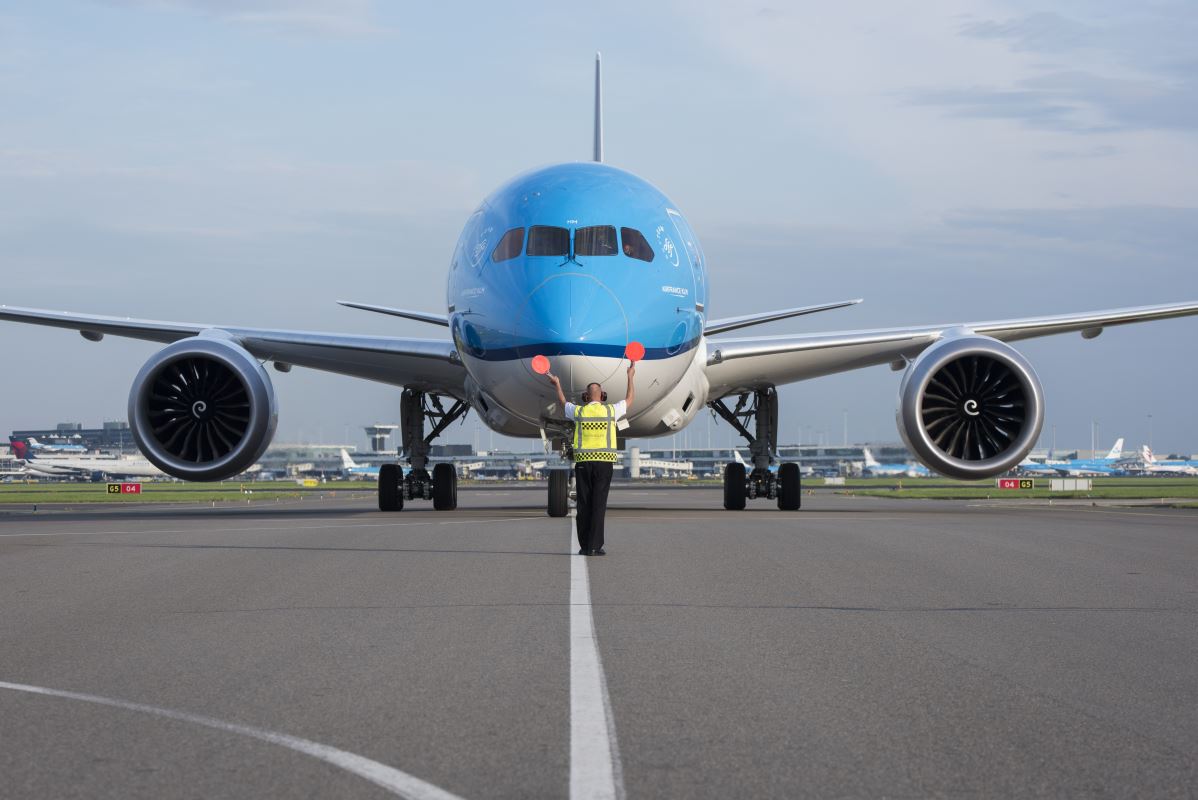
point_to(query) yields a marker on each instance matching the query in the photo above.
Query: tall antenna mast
(598, 155)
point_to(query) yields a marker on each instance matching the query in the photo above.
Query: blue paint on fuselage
(590, 305)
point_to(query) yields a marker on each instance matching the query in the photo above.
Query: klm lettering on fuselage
(573, 262)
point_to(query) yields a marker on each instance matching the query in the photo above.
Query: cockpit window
(635, 245)
(598, 240)
(545, 240)
(509, 246)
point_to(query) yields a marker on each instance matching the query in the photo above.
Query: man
(594, 457)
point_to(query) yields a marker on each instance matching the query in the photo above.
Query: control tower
(379, 434)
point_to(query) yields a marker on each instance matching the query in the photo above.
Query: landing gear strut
(441, 486)
(741, 484)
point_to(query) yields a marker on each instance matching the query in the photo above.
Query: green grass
(277, 491)
(945, 489)
(172, 492)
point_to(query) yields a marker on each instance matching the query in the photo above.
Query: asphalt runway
(860, 648)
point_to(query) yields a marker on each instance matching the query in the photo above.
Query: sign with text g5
(124, 488)
(1016, 483)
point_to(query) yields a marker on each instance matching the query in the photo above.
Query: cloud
(306, 17)
(1044, 32)
(975, 104)
(1143, 230)
(1079, 102)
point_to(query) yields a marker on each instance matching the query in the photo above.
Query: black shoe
(599, 552)
(582, 551)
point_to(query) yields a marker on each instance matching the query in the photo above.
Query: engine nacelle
(202, 409)
(970, 407)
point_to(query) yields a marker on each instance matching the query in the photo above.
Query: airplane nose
(576, 315)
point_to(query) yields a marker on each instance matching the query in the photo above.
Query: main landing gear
(441, 486)
(741, 484)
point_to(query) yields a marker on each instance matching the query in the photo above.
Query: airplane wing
(741, 364)
(427, 364)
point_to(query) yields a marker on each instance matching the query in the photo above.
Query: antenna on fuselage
(598, 156)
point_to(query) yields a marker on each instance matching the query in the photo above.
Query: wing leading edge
(429, 364)
(738, 364)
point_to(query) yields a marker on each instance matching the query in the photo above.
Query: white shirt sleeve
(569, 410)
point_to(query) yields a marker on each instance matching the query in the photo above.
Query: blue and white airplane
(575, 262)
(1107, 465)
(1150, 466)
(895, 469)
(42, 447)
(353, 468)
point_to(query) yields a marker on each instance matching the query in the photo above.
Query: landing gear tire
(390, 488)
(445, 487)
(734, 487)
(790, 495)
(559, 492)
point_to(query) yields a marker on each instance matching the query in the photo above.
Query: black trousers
(592, 480)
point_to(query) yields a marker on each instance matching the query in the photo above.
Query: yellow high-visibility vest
(595, 432)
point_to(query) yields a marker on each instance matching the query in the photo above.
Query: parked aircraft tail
(346, 461)
(19, 449)
(1116, 451)
(870, 461)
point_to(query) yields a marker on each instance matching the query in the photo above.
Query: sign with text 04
(1016, 483)
(124, 488)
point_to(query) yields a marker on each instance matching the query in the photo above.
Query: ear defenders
(583, 397)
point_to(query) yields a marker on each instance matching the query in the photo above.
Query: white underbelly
(512, 399)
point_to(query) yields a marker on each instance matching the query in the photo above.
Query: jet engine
(970, 407)
(203, 409)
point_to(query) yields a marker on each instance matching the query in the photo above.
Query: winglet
(598, 152)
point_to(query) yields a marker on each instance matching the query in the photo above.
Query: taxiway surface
(861, 647)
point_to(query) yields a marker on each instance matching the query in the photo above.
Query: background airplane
(83, 466)
(353, 468)
(44, 447)
(1107, 465)
(1153, 467)
(576, 262)
(907, 469)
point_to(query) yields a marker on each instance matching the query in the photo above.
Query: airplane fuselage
(574, 262)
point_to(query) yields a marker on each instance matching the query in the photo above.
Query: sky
(249, 162)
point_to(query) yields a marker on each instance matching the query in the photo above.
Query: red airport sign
(124, 488)
(1016, 483)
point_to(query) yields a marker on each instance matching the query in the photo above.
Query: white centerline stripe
(594, 756)
(389, 778)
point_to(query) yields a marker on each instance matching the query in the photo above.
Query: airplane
(577, 262)
(803, 471)
(42, 447)
(83, 466)
(353, 468)
(911, 470)
(1107, 465)
(1029, 467)
(1153, 467)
